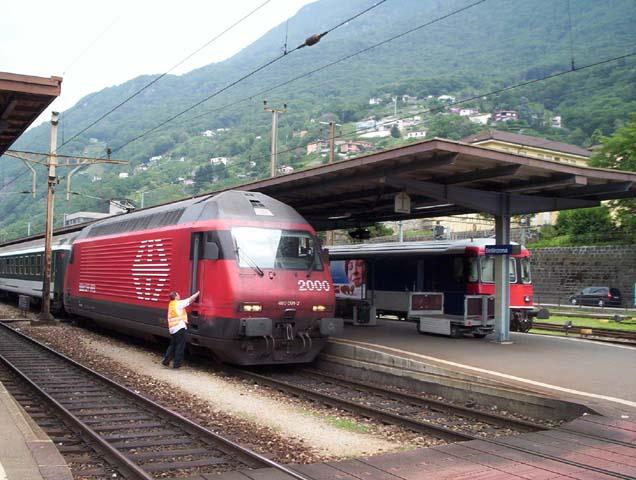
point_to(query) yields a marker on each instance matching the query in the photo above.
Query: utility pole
(332, 139)
(51, 164)
(45, 313)
(275, 112)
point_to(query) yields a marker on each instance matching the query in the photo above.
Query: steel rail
(596, 332)
(439, 431)
(449, 408)
(248, 456)
(363, 410)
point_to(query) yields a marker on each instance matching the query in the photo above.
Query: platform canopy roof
(22, 99)
(442, 177)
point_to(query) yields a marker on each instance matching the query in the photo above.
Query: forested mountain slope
(485, 47)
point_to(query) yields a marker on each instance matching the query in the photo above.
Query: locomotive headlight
(319, 308)
(527, 299)
(251, 307)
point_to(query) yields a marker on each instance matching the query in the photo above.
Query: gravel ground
(287, 429)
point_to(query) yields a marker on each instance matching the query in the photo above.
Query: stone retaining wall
(560, 272)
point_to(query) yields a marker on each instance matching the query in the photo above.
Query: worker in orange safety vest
(177, 324)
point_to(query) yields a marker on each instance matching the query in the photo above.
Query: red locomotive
(266, 292)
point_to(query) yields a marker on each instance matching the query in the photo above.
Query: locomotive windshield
(273, 248)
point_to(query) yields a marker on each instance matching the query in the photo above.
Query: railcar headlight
(251, 307)
(319, 308)
(527, 299)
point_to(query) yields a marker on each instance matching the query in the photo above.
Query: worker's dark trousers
(176, 348)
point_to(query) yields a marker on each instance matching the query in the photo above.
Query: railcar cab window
(488, 269)
(525, 270)
(274, 248)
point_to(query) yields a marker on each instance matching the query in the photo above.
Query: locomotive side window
(525, 270)
(273, 248)
(488, 270)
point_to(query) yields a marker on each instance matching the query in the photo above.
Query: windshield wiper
(249, 259)
(311, 265)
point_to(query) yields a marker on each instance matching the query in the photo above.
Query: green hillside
(482, 49)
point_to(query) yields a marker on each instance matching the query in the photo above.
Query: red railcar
(399, 275)
(266, 291)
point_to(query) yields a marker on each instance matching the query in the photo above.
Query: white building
(420, 134)
(285, 170)
(468, 112)
(556, 122)
(366, 124)
(208, 133)
(123, 175)
(481, 119)
(375, 101)
(446, 98)
(218, 160)
(379, 134)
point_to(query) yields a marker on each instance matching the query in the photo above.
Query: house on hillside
(355, 146)
(480, 118)
(375, 101)
(408, 99)
(368, 124)
(208, 133)
(556, 122)
(315, 147)
(420, 134)
(505, 116)
(536, 147)
(446, 98)
(285, 169)
(219, 160)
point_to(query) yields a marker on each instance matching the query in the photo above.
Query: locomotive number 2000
(313, 286)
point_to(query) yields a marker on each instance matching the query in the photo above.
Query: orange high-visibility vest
(174, 315)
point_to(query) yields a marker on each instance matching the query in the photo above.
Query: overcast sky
(93, 45)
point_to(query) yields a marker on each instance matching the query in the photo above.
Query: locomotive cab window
(488, 270)
(273, 248)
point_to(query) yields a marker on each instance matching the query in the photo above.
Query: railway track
(444, 421)
(423, 415)
(136, 437)
(599, 333)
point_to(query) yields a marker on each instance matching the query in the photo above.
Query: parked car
(598, 297)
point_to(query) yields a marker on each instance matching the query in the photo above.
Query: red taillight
(609, 295)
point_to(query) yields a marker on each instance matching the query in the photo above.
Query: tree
(619, 152)
(587, 225)
(395, 131)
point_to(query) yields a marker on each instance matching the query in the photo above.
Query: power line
(340, 60)
(485, 94)
(310, 41)
(155, 80)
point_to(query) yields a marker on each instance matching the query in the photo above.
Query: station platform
(598, 375)
(26, 452)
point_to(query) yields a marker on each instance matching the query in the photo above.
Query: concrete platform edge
(44, 460)
(449, 383)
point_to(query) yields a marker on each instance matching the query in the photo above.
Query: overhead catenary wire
(484, 94)
(340, 60)
(309, 41)
(159, 77)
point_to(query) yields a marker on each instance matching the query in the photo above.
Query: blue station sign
(503, 249)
